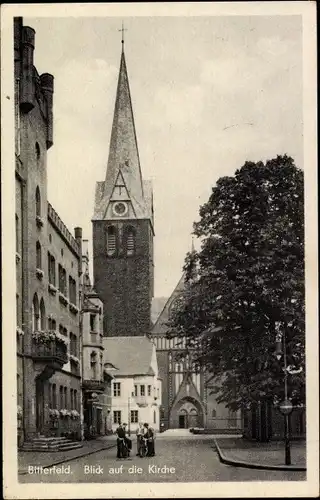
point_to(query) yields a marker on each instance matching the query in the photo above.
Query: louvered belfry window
(130, 242)
(111, 241)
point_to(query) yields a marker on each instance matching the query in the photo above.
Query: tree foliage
(247, 283)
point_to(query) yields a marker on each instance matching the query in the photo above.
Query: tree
(246, 284)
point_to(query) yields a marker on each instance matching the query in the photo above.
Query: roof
(160, 326)
(130, 355)
(123, 160)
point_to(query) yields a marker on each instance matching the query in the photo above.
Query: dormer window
(111, 241)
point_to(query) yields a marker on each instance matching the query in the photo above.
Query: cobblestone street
(184, 459)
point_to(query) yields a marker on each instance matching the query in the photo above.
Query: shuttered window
(130, 242)
(111, 241)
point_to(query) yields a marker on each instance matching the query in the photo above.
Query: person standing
(139, 433)
(121, 434)
(149, 436)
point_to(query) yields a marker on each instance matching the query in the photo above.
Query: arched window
(38, 202)
(214, 413)
(154, 417)
(111, 241)
(38, 152)
(93, 365)
(38, 256)
(35, 313)
(42, 316)
(130, 241)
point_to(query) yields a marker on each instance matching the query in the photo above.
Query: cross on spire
(122, 33)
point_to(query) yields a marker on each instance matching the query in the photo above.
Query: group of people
(145, 441)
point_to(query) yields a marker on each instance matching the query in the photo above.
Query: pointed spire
(123, 153)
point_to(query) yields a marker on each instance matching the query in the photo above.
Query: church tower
(123, 227)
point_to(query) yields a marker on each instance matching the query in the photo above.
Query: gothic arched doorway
(186, 413)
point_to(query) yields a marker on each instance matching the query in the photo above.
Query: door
(182, 421)
(39, 405)
(99, 420)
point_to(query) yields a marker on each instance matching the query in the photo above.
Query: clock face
(120, 208)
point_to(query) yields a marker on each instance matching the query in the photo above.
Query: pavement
(179, 458)
(238, 451)
(46, 459)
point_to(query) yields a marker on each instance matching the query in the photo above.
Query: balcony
(48, 349)
(141, 401)
(93, 385)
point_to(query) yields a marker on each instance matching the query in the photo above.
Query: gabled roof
(160, 326)
(129, 355)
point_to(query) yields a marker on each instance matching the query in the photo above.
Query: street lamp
(286, 406)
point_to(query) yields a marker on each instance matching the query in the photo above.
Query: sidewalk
(239, 451)
(47, 459)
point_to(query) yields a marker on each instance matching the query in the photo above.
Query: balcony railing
(50, 350)
(93, 385)
(142, 400)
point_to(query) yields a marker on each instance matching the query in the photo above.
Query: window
(65, 397)
(130, 241)
(42, 316)
(38, 202)
(75, 395)
(142, 390)
(117, 417)
(35, 313)
(111, 241)
(116, 389)
(136, 390)
(72, 290)
(37, 150)
(73, 344)
(92, 322)
(214, 413)
(52, 269)
(149, 390)
(38, 256)
(134, 416)
(61, 397)
(71, 399)
(93, 365)
(54, 396)
(154, 417)
(62, 280)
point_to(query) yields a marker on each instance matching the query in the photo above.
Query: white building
(136, 387)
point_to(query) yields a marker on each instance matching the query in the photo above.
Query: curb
(250, 465)
(23, 472)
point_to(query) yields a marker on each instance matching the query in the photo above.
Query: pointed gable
(160, 326)
(187, 389)
(123, 161)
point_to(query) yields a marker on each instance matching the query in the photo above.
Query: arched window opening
(111, 241)
(38, 256)
(93, 365)
(37, 150)
(154, 417)
(35, 313)
(131, 243)
(214, 413)
(42, 316)
(38, 202)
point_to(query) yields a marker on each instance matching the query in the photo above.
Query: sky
(208, 93)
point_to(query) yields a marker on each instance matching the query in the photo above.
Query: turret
(27, 73)
(47, 88)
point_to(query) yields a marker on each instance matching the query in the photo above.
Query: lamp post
(286, 405)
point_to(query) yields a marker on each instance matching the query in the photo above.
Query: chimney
(27, 70)
(47, 88)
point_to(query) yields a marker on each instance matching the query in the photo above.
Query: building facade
(48, 266)
(96, 381)
(187, 399)
(136, 386)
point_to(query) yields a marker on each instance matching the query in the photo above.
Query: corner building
(48, 267)
(123, 228)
